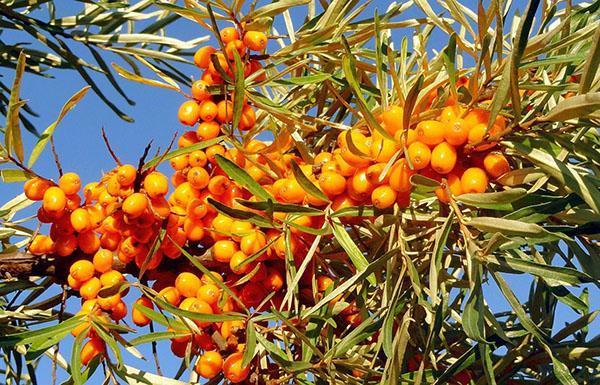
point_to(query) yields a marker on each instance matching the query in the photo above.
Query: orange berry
(358, 186)
(454, 185)
(419, 154)
(197, 158)
(126, 174)
(213, 151)
(450, 114)
(235, 45)
(229, 34)
(198, 177)
(80, 220)
(69, 183)
(108, 303)
(255, 40)
(189, 113)
(358, 156)
(35, 188)
(430, 132)
(201, 307)
(65, 245)
(202, 56)
(374, 173)
(90, 288)
(119, 311)
(137, 317)
(179, 162)
(392, 119)
(477, 133)
(456, 132)
(251, 243)
(200, 90)
(322, 158)
(233, 370)
(82, 270)
(332, 184)
(474, 180)
(291, 191)
(187, 139)
(94, 347)
(222, 223)
(223, 250)
(496, 164)
(135, 205)
(477, 116)
(208, 130)
(208, 110)
(247, 119)
(211, 277)
(443, 158)
(209, 365)
(54, 200)
(382, 149)
(103, 261)
(240, 228)
(194, 229)
(323, 283)
(209, 293)
(236, 263)
(73, 283)
(383, 197)
(255, 66)
(342, 167)
(218, 184)
(222, 62)
(274, 280)
(400, 175)
(111, 278)
(170, 294)
(156, 185)
(187, 284)
(224, 111)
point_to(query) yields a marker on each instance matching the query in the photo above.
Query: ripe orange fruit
(358, 186)
(103, 261)
(213, 151)
(189, 113)
(208, 130)
(255, 40)
(454, 185)
(197, 158)
(443, 158)
(94, 347)
(218, 185)
(383, 197)
(179, 162)
(137, 317)
(274, 280)
(170, 294)
(107, 303)
(430, 132)
(323, 283)
(233, 370)
(224, 111)
(65, 245)
(251, 243)
(69, 183)
(135, 205)
(208, 110)
(187, 139)
(456, 132)
(450, 114)
(419, 154)
(229, 34)
(126, 174)
(332, 184)
(90, 288)
(223, 250)
(119, 311)
(111, 278)
(236, 263)
(209, 293)
(382, 149)
(54, 199)
(202, 56)
(209, 365)
(201, 307)
(400, 175)
(35, 188)
(496, 164)
(392, 118)
(156, 185)
(187, 284)
(82, 270)
(80, 220)
(223, 63)
(247, 119)
(360, 143)
(200, 90)
(235, 45)
(291, 191)
(474, 180)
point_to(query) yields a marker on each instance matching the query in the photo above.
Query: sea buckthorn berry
(156, 185)
(358, 186)
(137, 317)
(196, 209)
(171, 295)
(477, 116)
(231, 328)
(119, 311)
(477, 133)
(407, 138)
(94, 347)
(208, 110)
(454, 185)
(223, 250)
(70, 183)
(200, 90)
(135, 205)
(107, 303)
(54, 200)
(255, 40)
(291, 191)
(82, 270)
(332, 184)
(187, 139)
(103, 261)
(247, 118)
(179, 162)
(65, 245)
(223, 63)
(392, 118)
(80, 220)
(474, 180)
(218, 185)
(198, 177)
(322, 158)
(221, 223)
(240, 228)
(208, 130)
(229, 34)
(400, 175)
(374, 173)
(323, 283)
(456, 132)
(236, 263)
(201, 307)
(209, 293)
(343, 168)
(233, 370)
(420, 155)
(209, 365)
(189, 113)
(187, 284)
(197, 159)
(235, 45)
(450, 114)
(253, 242)
(383, 149)
(111, 278)
(355, 148)
(202, 56)
(430, 132)
(35, 188)
(90, 288)
(496, 164)
(224, 111)
(73, 283)
(274, 280)
(211, 277)
(126, 175)
(383, 197)
(213, 151)
(443, 158)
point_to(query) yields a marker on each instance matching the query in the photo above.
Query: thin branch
(56, 159)
(110, 150)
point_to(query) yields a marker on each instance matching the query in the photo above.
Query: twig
(18, 163)
(56, 159)
(61, 312)
(110, 150)
(155, 352)
(167, 150)
(139, 175)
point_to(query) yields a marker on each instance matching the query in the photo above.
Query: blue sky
(79, 143)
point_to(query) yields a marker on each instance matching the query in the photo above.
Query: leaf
(354, 253)
(140, 79)
(239, 175)
(575, 107)
(49, 131)
(591, 65)
(277, 207)
(12, 131)
(240, 214)
(250, 348)
(272, 9)
(14, 175)
(306, 184)
(564, 275)
(239, 90)
(511, 227)
(495, 200)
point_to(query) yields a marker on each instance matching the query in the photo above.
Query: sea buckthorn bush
(335, 206)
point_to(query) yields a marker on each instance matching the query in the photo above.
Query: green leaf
(240, 214)
(14, 175)
(511, 227)
(12, 131)
(495, 200)
(239, 175)
(239, 90)
(47, 134)
(182, 151)
(250, 348)
(564, 275)
(354, 253)
(270, 206)
(575, 107)
(275, 8)
(591, 65)
(306, 184)
(140, 79)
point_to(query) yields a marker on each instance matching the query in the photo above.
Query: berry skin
(90, 289)
(103, 261)
(430, 132)
(420, 155)
(232, 47)
(199, 178)
(454, 185)
(291, 191)
(209, 365)
(156, 185)
(200, 90)
(187, 284)
(496, 164)
(209, 293)
(94, 347)
(383, 197)
(137, 317)
(392, 119)
(225, 111)
(229, 34)
(208, 130)
(233, 370)
(323, 283)
(135, 205)
(70, 183)
(82, 270)
(443, 158)
(202, 56)
(54, 200)
(207, 110)
(80, 220)
(35, 188)
(252, 243)
(126, 175)
(474, 180)
(248, 118)
(189, 113)
(237, 265)
(456, 132)
(400, 175)
(223, 250)
(332, 184)
(255, 40)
